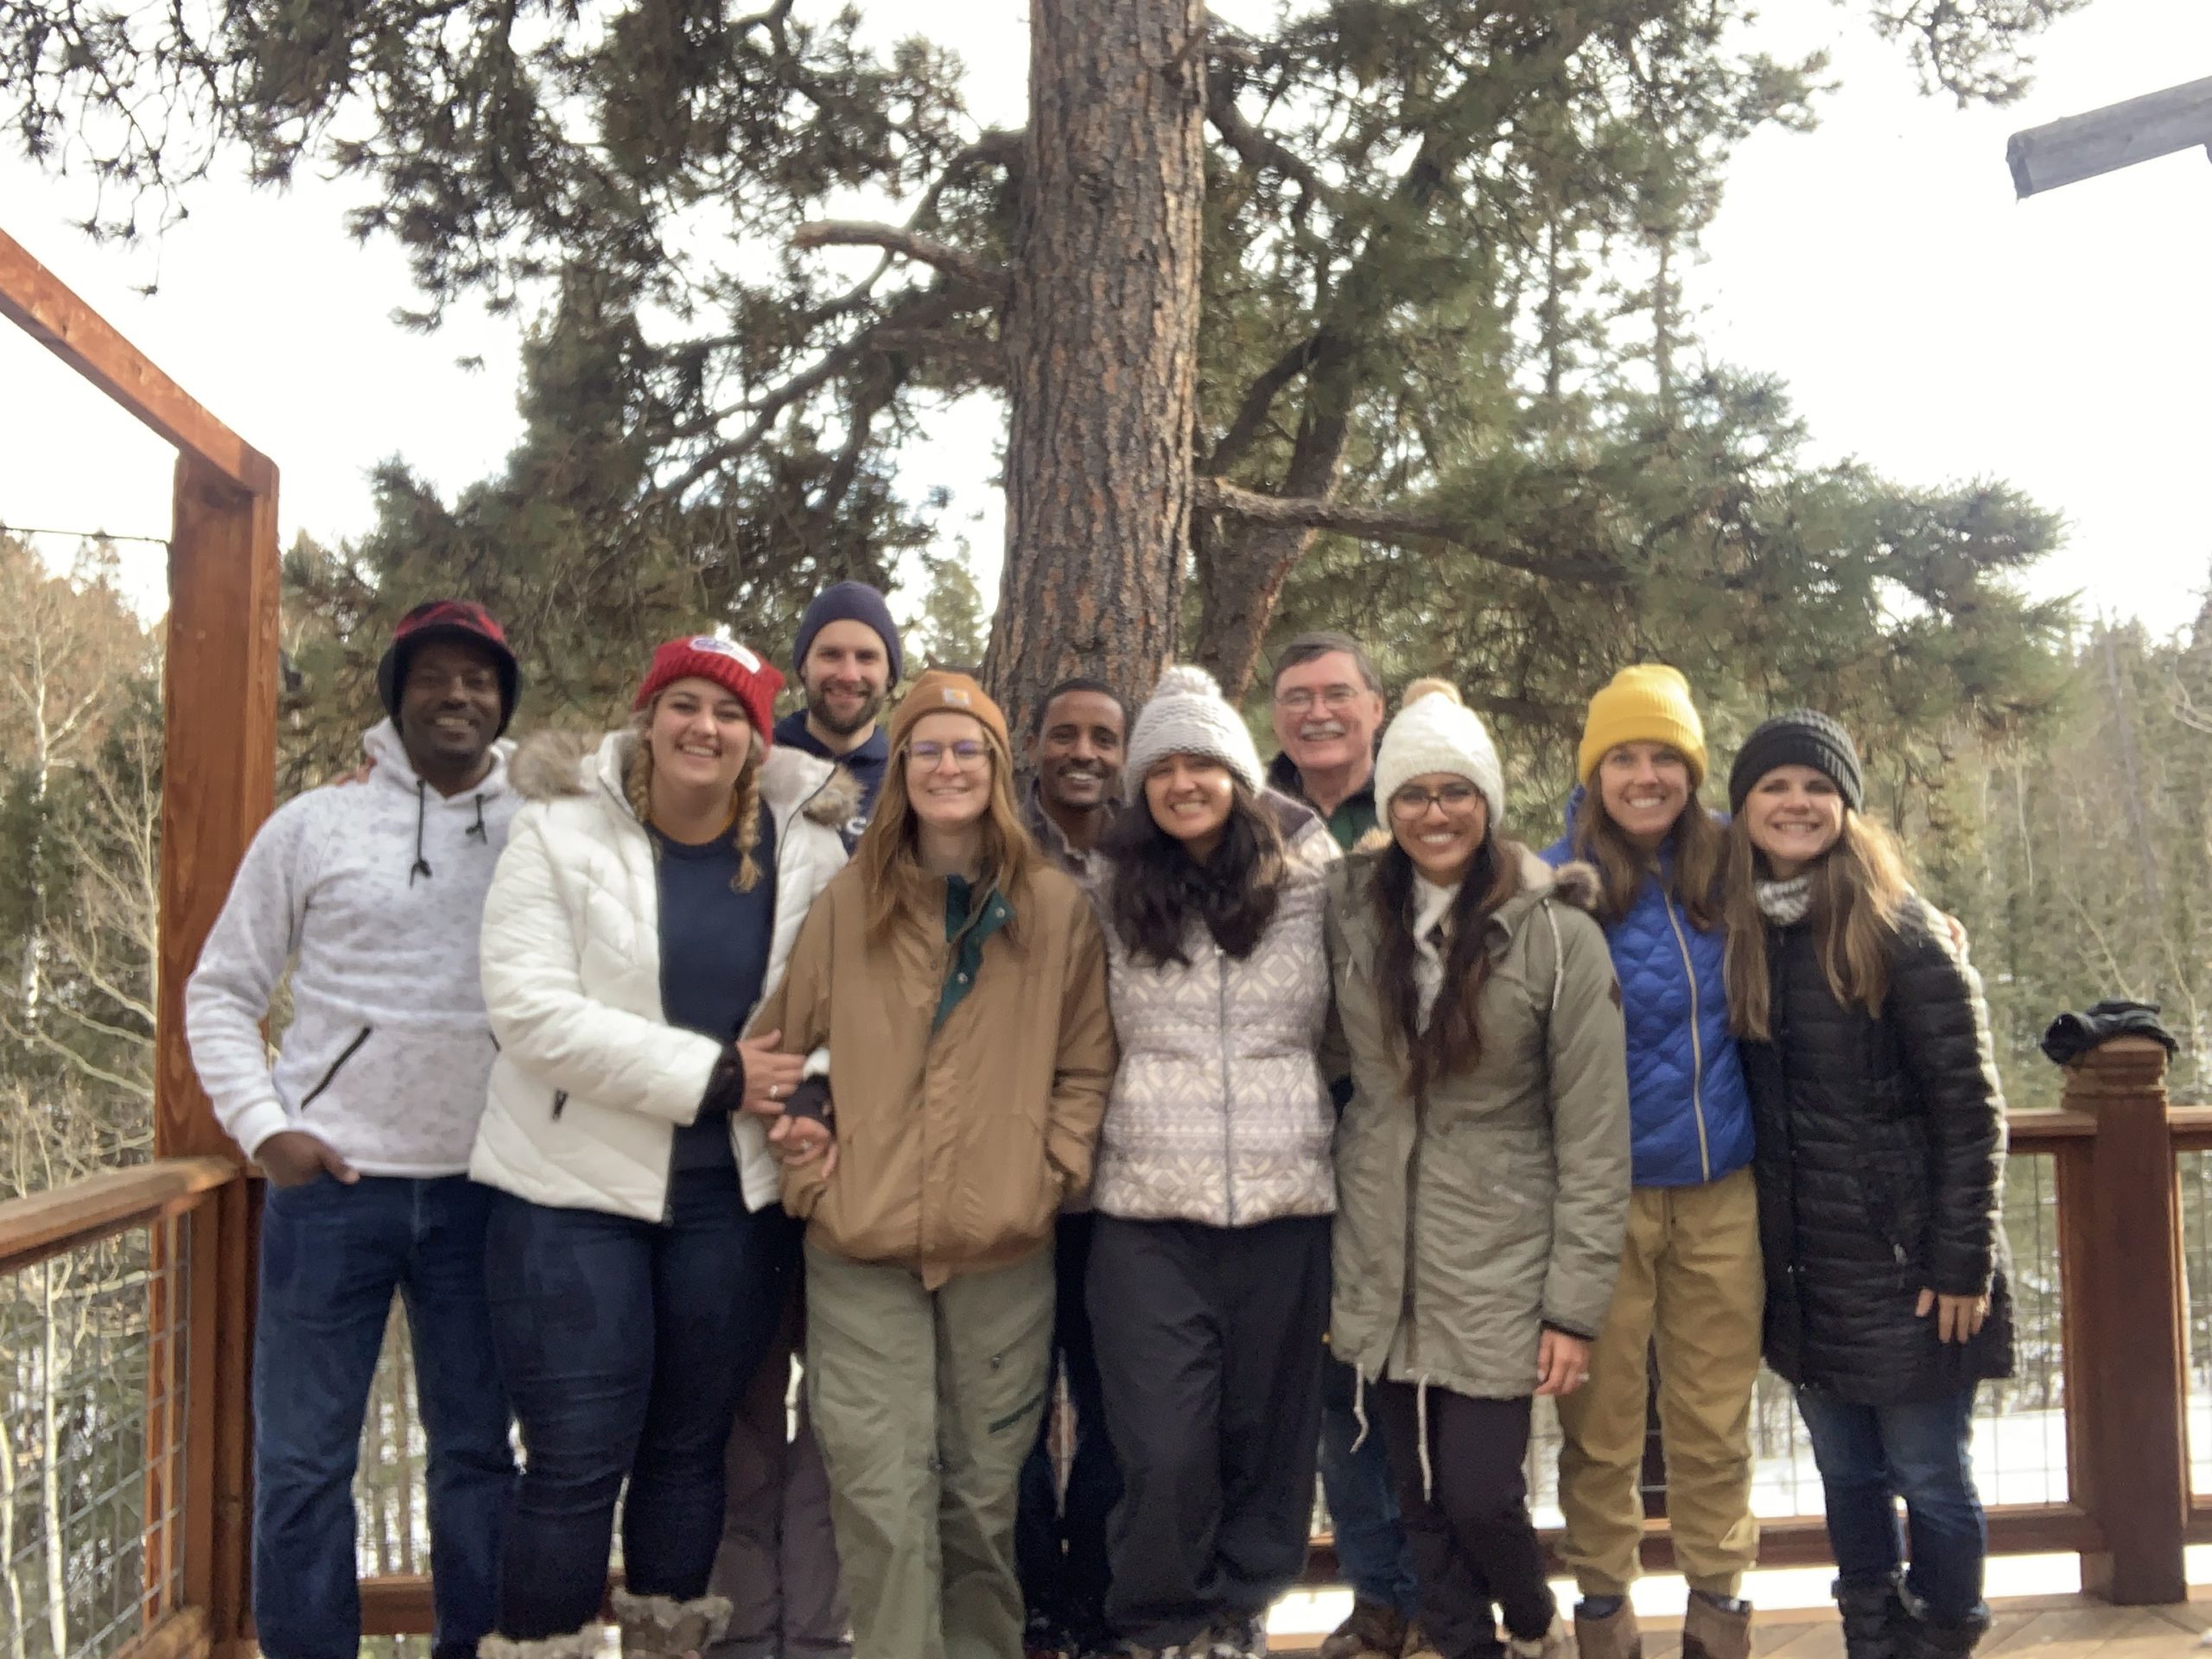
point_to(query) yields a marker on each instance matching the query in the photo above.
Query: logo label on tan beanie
(954, 696)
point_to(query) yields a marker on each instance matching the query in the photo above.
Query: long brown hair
(1451, 1045)
(889, 850)
(1691, 878)
(1158, 888)
(1859, 887)
(744, 827)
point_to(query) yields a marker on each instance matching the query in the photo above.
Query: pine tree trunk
(1101, 347)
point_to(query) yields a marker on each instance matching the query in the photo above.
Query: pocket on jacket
(330, 1072)
(806, 1189)
(1895, 1187)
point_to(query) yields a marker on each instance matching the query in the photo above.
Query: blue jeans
(1060, 1540)
(1871, 1456)
(332, 1257)
(627, 1345)
(1372, 1552)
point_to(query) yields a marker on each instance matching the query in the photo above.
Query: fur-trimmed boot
(1611, 1636)
(660, 1627)
(1713, 1630)
(584, 1644)
(1873, 1619)
(1922, 1638)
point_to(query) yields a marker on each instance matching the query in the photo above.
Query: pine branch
(1259, 398)
(1257, 147)
(1397, 524)
(956, 263)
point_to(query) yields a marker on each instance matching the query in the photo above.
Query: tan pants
(926, 1404)
(1691, 1281)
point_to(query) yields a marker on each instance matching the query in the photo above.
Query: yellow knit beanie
(1646, 703)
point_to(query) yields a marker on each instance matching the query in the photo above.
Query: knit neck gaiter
(1784, 903)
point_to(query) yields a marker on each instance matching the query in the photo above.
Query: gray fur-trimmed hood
(551, 764)
(1573, 883)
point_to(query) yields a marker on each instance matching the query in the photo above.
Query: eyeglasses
(1413, 801)
(967, 754)
(1334, 698)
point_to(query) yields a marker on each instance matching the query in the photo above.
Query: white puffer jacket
(592, 1080)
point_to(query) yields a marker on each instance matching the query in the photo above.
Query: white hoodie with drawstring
(372, 895)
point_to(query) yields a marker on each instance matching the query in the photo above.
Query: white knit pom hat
(1435, 732)
(1187, 714)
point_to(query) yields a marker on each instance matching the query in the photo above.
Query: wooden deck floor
(2045, 1627)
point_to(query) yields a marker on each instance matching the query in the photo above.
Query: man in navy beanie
(778, 1563)
(846, 659)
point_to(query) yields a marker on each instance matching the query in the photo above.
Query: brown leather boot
(1712, 1632)
(1373, 1631)
(1614, 1637)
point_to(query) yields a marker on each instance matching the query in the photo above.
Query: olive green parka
(1467, 1223)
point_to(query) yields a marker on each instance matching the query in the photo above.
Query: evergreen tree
(1237, 290)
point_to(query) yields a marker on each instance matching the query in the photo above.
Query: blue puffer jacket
(1688, 1110)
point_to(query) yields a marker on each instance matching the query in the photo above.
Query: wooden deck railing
(190, 1334)
(2129, 1511)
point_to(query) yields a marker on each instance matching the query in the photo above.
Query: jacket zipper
(1228, 1125)
(1697, 1046)
(1413, 1205)
(345, 1054)
(560, 1100)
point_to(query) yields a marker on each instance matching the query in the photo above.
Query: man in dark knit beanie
(778, 1563)
(846, 659)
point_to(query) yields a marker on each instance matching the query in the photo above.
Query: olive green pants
(926, 1403)
(1692, 1284)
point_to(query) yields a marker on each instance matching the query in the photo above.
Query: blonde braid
(746, 831)
(637, 769)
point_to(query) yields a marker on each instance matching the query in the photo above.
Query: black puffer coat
(1881, 1157)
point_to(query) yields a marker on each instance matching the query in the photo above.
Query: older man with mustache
(1327, 711)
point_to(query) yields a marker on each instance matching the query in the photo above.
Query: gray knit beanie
(1187, 714)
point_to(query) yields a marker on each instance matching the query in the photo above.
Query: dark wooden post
(219, 715)
(2125, 1324)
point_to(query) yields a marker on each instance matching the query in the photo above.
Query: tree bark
(1101, 347)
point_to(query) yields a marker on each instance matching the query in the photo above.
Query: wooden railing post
(219, 769)
(2125, 1326)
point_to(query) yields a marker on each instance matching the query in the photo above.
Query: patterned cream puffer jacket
(1219, 1112)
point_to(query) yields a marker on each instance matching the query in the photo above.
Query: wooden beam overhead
(32, 298)
(2120, 135)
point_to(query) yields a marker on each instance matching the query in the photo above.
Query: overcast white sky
(1925, 321)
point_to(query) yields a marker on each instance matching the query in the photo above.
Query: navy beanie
(1803, 737)
(849, 601)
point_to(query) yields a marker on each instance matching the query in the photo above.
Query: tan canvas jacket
(955, 1147)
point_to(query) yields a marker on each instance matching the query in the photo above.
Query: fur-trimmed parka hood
(550, 765)
(1572, 883)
